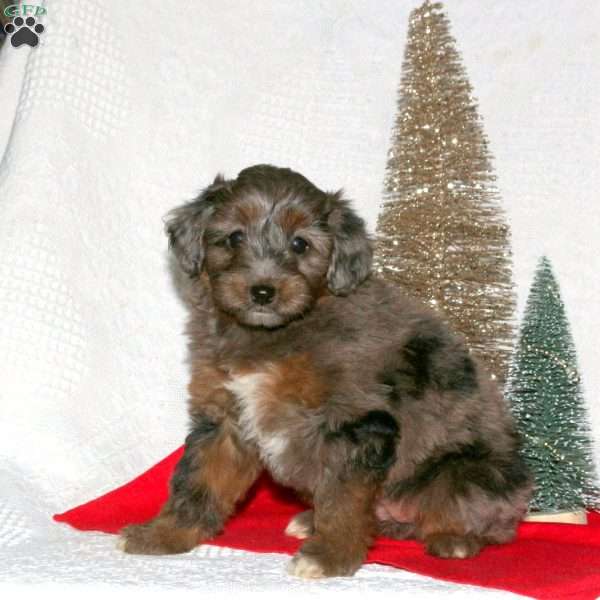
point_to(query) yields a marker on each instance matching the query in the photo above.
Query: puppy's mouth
(261, 316)
(261, 304)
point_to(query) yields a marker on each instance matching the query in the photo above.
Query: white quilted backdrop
(125, 110)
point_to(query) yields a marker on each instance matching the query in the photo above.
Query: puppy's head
(270, 243)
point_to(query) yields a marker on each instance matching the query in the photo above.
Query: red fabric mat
(546, 561)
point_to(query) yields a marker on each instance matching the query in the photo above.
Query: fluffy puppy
(341, 386)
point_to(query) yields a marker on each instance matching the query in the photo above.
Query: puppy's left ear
(352, 254)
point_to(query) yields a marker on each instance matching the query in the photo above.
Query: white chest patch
(248, 389)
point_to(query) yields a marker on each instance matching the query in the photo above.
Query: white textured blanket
(126, 109)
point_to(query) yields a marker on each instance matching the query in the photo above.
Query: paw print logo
(24, 31)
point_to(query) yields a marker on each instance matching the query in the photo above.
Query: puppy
(341, 386)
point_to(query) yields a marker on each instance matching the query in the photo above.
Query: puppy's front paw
(317, 559)
(301, 526)
(156, 538)
(446, 545)
(305, 567)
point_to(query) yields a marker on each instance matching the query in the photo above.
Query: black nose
(262, 294)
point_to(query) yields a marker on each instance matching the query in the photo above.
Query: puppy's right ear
(185, 226)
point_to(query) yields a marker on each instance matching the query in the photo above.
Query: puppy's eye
(236, 238)
(299, 245)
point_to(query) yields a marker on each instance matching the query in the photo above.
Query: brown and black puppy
(342, 387)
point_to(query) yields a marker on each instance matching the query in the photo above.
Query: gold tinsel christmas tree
(442, 234)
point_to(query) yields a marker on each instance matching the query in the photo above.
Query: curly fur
(344, 388)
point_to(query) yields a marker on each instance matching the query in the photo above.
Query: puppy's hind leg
(467, 499)
(302, 525)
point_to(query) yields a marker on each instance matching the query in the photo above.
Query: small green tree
(544, 388)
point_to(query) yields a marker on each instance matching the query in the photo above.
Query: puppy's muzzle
(262, 294)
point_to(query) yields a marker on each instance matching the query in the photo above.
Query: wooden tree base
(578, 517)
